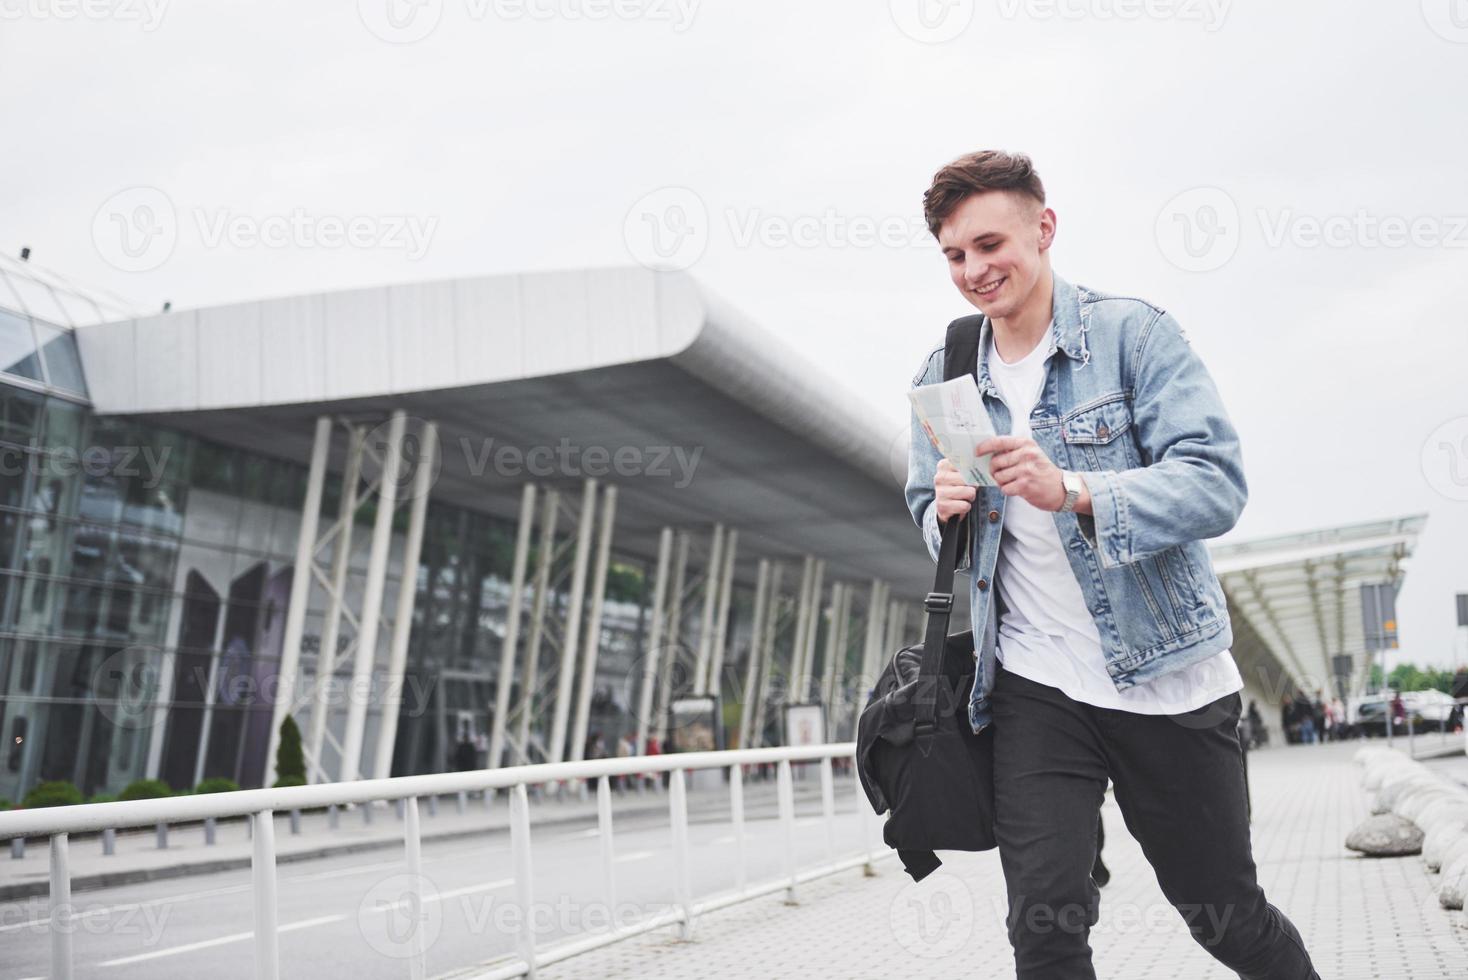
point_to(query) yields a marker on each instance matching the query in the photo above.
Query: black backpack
(917, 756)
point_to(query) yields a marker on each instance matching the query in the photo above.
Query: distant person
(1398, 711)
(1257, 735)
(465, 757)
(1103, 636)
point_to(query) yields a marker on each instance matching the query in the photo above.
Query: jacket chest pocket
(1102, 437)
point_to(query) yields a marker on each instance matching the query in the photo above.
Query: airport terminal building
(479, 521)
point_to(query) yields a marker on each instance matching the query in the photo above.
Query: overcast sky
(1287, 179)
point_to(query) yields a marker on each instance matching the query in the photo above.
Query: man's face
(995, 243)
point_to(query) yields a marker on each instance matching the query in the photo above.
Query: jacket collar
(1067, 331)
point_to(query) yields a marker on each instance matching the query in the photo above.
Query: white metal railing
(260, 804)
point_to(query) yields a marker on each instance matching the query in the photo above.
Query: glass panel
(64, 366)
(18, 347)
(20, 414)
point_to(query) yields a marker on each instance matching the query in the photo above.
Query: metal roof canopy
(1300, 592)
(622, 359)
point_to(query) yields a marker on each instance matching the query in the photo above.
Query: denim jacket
(1128, 405)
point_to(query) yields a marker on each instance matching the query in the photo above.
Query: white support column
(572, 637)
(671, 648)
(512, 626)
(767, 656)
(832, 652)
(537, 618)
(331, 629)
(756, 645)
(836, 674)
(593, 623)
(651, 655)
(402, 623)
(710, 598)
(871, 653)
(812, 627)
(714, 683)
(802, 613)
(295, 616)
(366, 652)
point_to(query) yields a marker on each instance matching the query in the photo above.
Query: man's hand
(954, 497)
(1022, 469)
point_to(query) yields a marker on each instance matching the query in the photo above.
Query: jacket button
(993, 516)
(1103, 432)
(983, 584)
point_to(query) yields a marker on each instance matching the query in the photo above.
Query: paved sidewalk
(138, 858)
(1361, 918)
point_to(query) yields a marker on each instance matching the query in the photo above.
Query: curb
(1436, 804)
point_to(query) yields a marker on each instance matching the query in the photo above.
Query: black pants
(1179, 782)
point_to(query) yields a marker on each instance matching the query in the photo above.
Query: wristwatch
(1072, 483)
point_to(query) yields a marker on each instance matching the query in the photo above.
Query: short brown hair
(976, 173)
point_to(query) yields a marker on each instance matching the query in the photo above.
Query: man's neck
(1015, 336)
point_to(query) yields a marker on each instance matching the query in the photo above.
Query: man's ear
(1047, 229)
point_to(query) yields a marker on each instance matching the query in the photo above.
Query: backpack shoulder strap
(961, 347)
(960, 357)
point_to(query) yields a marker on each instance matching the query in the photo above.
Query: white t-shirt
(1046, 633)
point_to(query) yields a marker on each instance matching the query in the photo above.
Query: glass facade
(144, 579)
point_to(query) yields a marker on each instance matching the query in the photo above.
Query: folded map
(954, 417)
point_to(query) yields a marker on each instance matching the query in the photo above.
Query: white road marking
(236, 937)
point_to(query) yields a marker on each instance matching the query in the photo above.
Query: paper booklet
(953, 415)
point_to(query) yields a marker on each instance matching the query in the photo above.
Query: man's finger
(998, 444)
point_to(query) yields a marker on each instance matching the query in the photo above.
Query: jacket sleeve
(922, 466)
(1193, 484)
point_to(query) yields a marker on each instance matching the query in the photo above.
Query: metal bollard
(109, 842)
(462, 800)
(433, 806)
(296, 822)
(333, 817)
(397, 806)
(210, 827)
(160, 834)
(17, 848)
(366, 813)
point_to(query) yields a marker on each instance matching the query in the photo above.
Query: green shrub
(55, 793)
(217, 784)
(145, 789)
(5, 804)
(290, 760)
(102, 798)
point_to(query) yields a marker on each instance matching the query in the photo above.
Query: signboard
(1379, 615)
(1340, 666)
(693, 725)
(805, 724)
(1463, 608)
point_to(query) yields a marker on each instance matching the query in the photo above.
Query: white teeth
(988, 288)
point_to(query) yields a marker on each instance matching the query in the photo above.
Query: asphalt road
(346, 916)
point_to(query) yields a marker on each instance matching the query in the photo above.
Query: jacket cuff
(933, 535)
(1106, 528)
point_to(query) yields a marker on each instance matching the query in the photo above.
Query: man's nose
(974, 271)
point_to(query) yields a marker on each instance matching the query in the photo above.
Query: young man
(1104, 637)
